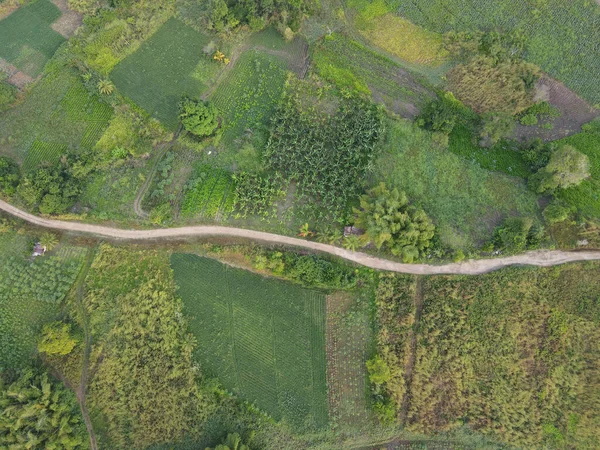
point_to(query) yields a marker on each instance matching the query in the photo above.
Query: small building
(39, 249)
(349, 231)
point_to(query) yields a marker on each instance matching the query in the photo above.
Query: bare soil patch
(574, 111)
(69, 21)
(20, 80)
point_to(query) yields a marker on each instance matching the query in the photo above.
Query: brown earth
(574, 112)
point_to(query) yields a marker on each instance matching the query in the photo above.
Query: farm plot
(351, 65)
(27, 40)
(66, 116)
(208, 194)
(263, 338)
(247, 97)
(464, 200)
(30, 295)
(561, 37)
(164, 69)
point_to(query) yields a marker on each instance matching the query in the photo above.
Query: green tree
(496, 126)
(379, 371)
(36, 413)
(391, 222)
(49, 240)
(57, 339)
(9, 175)
(197, 117)
(567, 167)
(518, 234)
(233, 441)
(556, 213)
(443, 114)
(105, 87)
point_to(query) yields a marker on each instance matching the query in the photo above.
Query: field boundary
(542, 258)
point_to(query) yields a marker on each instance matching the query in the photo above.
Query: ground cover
(263, 338)
(166, 67)
(58, 112)
(28, 41)
(586, 196)
(247, 96)
(465, 201)
(351, 65)
(30, 293)
(559, 37)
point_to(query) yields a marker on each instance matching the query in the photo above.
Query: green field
(30, 294)
(27, 41)
(248, 94)
(66, 116)
(263, 338)
(351, 65)
(210, 193)
(465, 201)
(561, 37)
(165, 68)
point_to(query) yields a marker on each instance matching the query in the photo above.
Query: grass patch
(263, 338)
(465, 201)
(164, 69)
(246, 98)
(57, 110)
(30, 294)
(351, 65)
(500, 157)
(27, 40)
(561, 37)
(586, 196)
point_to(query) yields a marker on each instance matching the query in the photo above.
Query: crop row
(42, 151)
(207, 193)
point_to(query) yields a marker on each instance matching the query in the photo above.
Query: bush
(391, 222)
(528, 120)
(497, 126)
(198, 117)
(57, 339)
(443, 114)
(518, 234)
(379, 371)
(9, 176)
(8, 93)
(556, 213)
(566, 167)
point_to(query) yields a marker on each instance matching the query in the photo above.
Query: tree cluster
(566, 167)
(391, 222)
(9, 176)
(198, 117)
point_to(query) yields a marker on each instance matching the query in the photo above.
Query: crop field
(65, 114)
(246, 98)
(210, 193)
(350, 64)
(163, 70)
(464, 200)
(263, 338)
(30, 294)
(27, 40)
(561, 37)
(42, 152)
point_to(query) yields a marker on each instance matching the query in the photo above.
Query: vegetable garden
(209, 193)
(263, 338)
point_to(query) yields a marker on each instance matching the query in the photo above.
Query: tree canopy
(233, 441)
(567, 167)
(9, 175)
(198, 117)
(57, 339)
(391, 222)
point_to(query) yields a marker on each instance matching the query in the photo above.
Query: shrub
(8, 93)
(9, 175)
(443, 114)
(497, 126)
(379, 371)
(197, 117)
(556, 213)
(567, 167)
(528, 120)
(391, 222)
(57, 339)
(518, 234)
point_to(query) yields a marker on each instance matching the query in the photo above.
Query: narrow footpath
(543, 258)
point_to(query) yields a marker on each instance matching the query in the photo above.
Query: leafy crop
(208, 193)
(262, 338)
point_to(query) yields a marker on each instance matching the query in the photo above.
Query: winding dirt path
(471, 267)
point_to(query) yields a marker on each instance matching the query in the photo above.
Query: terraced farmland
(263, 338)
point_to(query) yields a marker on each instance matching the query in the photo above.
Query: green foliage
(529, 120)
(136, 320)
(8, 93)
(28, 41)
(328, 156)
(343, 78)
(210, 192)
(391, 222)
(198, 117)
(559, 37)
(556, 213)
(271, 352)
(233, 441)
(463, 200)
(478, 341)
(497, 126)
(444, 113)
(54, 189)
(255, 195)
(489, 86)
(159, 73)
(57, 339)
(30, 294)
(517, 234)
(39, 413)
(379, 371)
(566, 167)
(9, 176)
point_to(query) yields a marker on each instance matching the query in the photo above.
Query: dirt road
(471, 267)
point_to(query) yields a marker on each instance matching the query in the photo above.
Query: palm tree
(351, 242)
(106, 87)
(49, 240)
(305, 231)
